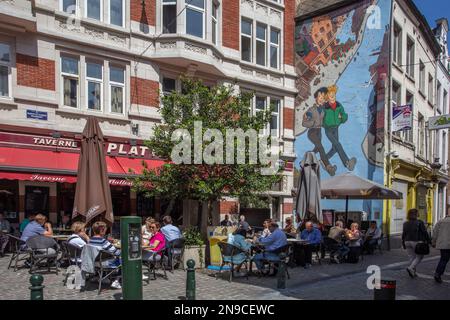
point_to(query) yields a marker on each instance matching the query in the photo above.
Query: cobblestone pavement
(322, 281)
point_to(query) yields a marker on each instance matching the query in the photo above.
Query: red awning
(53, 166)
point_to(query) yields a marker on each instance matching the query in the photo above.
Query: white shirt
(76, 240)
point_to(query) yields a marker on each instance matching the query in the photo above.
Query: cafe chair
(19, 251)
(274, 263)
(230, 257)
(43, 249)
(331, 246)
(103, 269)
(175, 253)
(154, 262)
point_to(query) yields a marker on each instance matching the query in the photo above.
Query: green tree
(217, 108)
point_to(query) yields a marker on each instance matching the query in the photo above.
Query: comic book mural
(342, 63)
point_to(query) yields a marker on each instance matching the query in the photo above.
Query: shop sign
(37, 115)
(114, 149)
(439, 122)
(402, 117)
(48, 178)
(120, 182)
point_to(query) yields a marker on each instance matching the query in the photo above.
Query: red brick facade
(141, 15)
(35, 72)
(289, 26)
(287, 208)
(144, 92)
(230, 24)
(288, 118)
(228, 207)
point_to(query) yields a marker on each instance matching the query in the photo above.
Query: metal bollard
(281, 279)
(190, 280)
(386, 291)
(37, 292)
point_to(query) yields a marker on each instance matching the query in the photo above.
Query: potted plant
(194, 247)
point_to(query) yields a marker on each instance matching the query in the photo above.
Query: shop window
(145, 206)
(120, 200)
(9, 200)
(37, 200)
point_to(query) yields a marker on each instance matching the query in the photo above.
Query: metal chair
(43, 249)
(18, 250)
(228, 251)
(330, 245)
(175, 252)
(105, 271)
(286, 250)
(71, 254)
(155, 261)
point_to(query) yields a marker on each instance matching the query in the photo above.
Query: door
(398, 208)
(37, 200)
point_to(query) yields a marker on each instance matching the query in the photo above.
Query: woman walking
(414, 232)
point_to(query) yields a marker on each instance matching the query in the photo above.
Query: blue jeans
(445, 257)
(260, 257)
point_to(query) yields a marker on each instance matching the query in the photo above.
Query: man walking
(441, 241)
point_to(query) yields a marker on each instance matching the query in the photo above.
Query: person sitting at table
(276, 240)
(337, 233)
(237, 239)
(146, 233)
(266, 231)
(243, 224)
(226, 222)
(65, 222)
(99, 240)
(79, 237)
(371, 237)
(314, 238)
(48, 225)
(157, 242)
(354, 243)
(289, 227)
(169, 231)
(36, 227)
(26, 221)
(5, 227)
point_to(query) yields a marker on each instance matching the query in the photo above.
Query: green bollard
(190, 280)
(281, 279)
(37, 289)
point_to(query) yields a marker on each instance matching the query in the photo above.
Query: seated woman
(238, 240)
(146, 233)
(354, 239)
(79, 237)
(156, 243)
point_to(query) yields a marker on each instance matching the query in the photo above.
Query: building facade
(62, 61)
(379, 54)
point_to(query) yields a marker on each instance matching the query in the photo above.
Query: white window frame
(8, 65)
(276, 45)
(248, 37)
(100, 81)
(410, 61)
(164, 4)
(272, 113)
(262, 41)
(86, 10)
(397, 47)
(77, 6)
(71, 76)
(117, 84)
(430, 88)
(198, 9)
(215, 22)
(438, 95)
(123, 14)
(422, 75)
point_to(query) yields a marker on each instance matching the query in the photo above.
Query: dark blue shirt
(313, 237)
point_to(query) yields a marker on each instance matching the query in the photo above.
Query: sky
(433, 10)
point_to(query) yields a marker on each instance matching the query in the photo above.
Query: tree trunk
(169, 207)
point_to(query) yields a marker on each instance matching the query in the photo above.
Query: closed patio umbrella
(92, 194)
(307, 201)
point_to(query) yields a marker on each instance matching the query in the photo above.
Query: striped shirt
(104, 244)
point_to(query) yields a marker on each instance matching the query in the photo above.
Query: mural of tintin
(313, 120)
(335, 115)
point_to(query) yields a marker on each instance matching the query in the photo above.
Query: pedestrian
(414, 232)
(441, 241)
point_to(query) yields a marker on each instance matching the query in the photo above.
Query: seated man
(371, 238)
(98, 240)
(289, 227)
(274, 241)
(237, 239)
(266, 231)
(337, 233)
(226, 222)
(36, 227)
(314, 238)
(169, 231)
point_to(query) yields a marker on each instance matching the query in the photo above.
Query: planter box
(192, 252)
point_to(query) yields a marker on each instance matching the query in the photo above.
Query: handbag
(422, 248)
